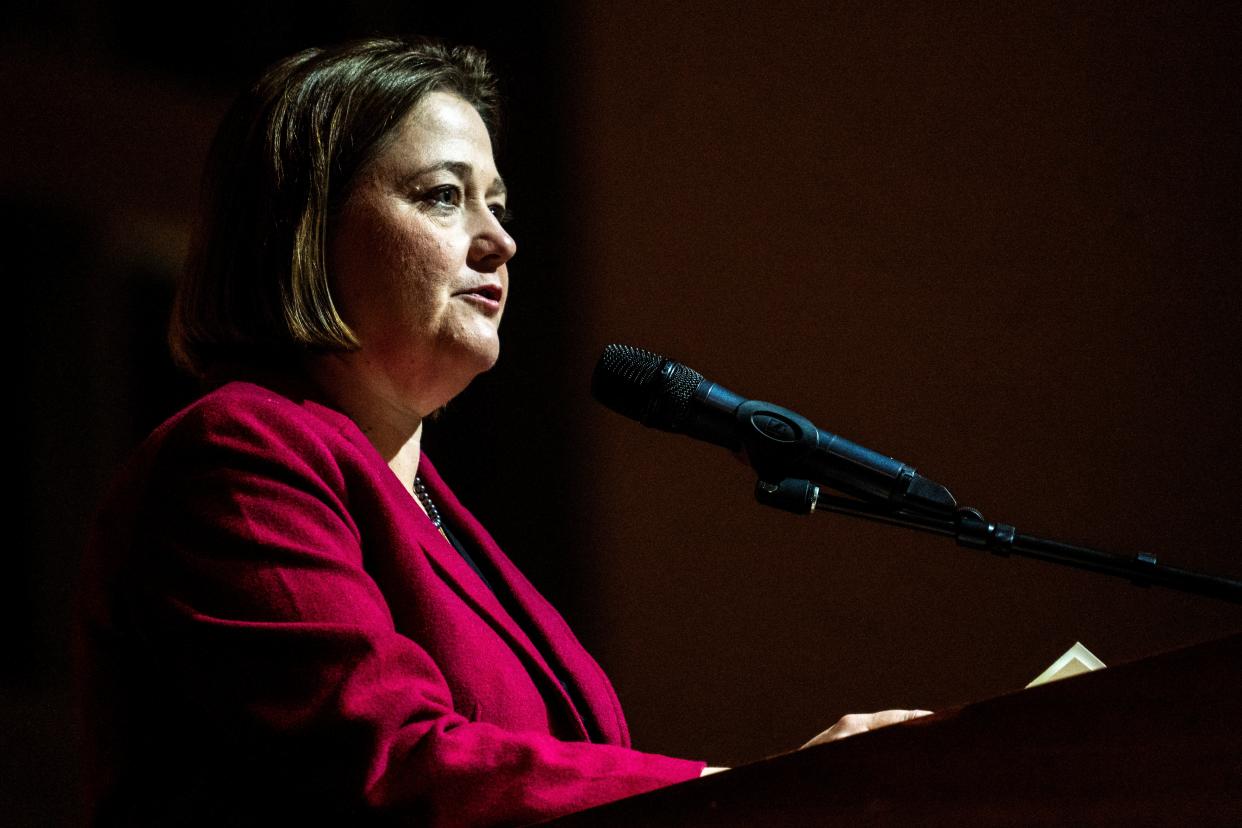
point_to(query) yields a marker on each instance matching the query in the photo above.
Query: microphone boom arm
(971, 529)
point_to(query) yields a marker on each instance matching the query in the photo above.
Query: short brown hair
(255, 287)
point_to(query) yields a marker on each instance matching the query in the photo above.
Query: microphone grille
(628, 364)
(644, 386)
(675, 397)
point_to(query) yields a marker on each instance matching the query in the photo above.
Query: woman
(289, 617)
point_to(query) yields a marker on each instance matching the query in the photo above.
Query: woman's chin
(483, 353)
(460, 369)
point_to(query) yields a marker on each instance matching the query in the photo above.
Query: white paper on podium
(1075, 660)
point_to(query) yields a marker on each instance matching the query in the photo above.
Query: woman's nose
(491, 245)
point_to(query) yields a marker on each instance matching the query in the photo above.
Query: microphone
(780, 444)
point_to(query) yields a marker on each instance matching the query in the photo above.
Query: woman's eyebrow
(462, 170)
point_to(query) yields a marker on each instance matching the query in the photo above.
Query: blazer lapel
(455, 571)
(600, 716)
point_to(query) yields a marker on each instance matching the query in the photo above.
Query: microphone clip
(797, 496)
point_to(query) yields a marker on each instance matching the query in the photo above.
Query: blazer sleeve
(252, 593)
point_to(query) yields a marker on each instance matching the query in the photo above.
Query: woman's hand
(862, 722)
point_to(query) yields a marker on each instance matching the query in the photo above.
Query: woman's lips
(487, 297)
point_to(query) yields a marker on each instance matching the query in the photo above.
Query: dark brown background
(999, 245)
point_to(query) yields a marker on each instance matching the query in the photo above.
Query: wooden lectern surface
(1152, 742)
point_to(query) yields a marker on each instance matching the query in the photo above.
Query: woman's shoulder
(248, 424)
(248, 411)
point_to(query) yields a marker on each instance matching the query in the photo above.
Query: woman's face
(416, 257)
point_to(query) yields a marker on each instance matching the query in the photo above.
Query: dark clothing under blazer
(276, 633)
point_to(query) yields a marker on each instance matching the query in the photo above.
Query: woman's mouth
(487, 297)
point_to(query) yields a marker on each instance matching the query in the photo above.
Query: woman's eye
(502, 213)
(447, 196)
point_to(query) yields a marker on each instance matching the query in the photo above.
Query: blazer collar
(554, 637)
(540, 616)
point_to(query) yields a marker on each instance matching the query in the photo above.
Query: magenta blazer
(276, 634)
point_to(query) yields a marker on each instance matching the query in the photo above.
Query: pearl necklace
(424, 497)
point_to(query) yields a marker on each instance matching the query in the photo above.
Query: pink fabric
(274, 630)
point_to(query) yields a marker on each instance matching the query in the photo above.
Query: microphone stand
(971, 529)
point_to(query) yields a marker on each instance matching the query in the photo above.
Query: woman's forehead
(441, 133)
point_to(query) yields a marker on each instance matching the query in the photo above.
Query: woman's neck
(387, 421)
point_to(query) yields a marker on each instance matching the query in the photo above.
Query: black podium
(1152, 742)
